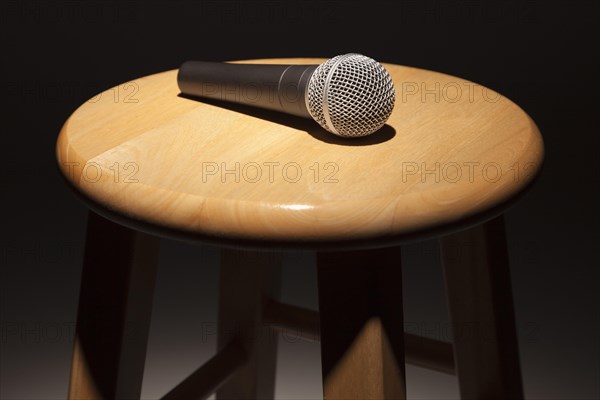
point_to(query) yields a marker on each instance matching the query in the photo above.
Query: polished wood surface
(361, 321)
(451, 151)
(204, 381)
(429, 353)
(248, 282)
(115, 305)
(418, 350)
(477, 278)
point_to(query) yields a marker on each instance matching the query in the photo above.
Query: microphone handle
(274, 87)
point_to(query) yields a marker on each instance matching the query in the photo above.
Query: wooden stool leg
(248, 281)
(362, 335)
(115, 304)
(478, 285)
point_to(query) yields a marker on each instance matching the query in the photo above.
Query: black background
(56, 55)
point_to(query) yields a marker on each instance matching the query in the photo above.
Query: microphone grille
(350, 95)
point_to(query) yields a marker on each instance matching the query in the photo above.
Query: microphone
(349, 95)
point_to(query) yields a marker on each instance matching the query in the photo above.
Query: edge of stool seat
(300, 245)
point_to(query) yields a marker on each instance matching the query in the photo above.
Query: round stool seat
(452, 153)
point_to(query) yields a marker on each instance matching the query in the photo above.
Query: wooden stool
(149, 162)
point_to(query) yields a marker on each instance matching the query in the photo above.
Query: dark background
(56, 55)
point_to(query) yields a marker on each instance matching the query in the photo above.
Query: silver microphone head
(350, 95)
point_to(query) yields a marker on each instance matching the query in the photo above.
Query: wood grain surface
(115, 307)
(451, 150)
(480, 303)
(361, 324)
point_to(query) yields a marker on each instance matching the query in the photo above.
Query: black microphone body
(274, 87)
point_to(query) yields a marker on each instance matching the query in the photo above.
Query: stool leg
(113, 319)
(478, 286)
(362, 335)
(248, 281)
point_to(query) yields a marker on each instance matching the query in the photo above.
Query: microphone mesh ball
(350, 95)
